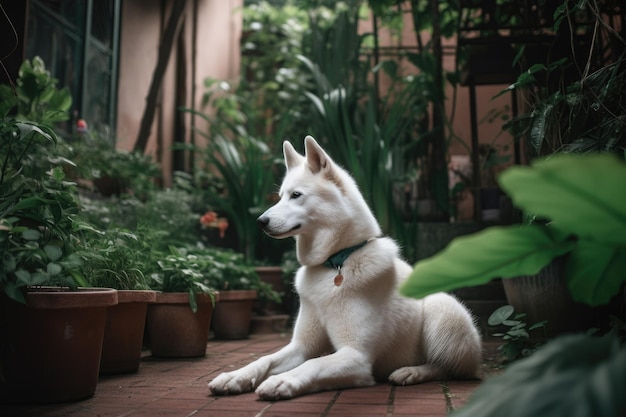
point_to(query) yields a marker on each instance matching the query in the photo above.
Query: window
(78, 41)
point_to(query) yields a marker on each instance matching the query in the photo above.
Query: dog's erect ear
(317, 159)
(292, 157)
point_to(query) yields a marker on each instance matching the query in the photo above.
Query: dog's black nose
(263, 221)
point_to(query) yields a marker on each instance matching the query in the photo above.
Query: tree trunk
(165, 49)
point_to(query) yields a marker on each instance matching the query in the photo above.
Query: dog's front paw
(279, 387)
(231, 383)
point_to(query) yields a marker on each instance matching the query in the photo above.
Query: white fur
(362, 330)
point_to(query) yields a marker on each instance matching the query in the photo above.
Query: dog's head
(313, 194)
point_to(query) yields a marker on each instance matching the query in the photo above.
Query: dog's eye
(295, 194)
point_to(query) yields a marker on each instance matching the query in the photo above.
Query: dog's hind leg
(450, 344)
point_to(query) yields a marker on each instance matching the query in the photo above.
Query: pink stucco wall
(217, 30)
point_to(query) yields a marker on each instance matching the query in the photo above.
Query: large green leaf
(54, 269)
(595, 271)
(581, 194)
(26, 128)
(53, 252)
(573, 376)
(476, 259)
(539, 125)
(27, 204)
(61, 100)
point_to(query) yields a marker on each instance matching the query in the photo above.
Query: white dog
(353, 327)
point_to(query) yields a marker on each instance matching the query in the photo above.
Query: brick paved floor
(178, 388)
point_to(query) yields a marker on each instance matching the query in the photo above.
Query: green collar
(336, 260)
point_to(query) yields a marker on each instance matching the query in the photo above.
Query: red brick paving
(175, 388)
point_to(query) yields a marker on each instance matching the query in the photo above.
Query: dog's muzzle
(263, 221)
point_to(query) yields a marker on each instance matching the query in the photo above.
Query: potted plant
(120, 259)
(45, 330)
(565, 117)
(114, 172)
(581, 196)
(239, 286)
(178, 322)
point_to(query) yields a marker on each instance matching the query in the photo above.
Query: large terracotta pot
(123, 334)
(175, 330)
(50, 347)
(231, 318)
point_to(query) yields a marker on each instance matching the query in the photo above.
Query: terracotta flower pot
(272, 275)
(50, 347)
(123, 334)
(175, 330)
(271, 317)
(231, 318)
(545, 296)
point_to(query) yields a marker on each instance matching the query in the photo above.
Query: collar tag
(336, 260)
(338, 277)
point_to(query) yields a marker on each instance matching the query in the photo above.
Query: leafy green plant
(581, 198)
(118, 259)
(371, 136)
(182, 271)
(433, 22)
(38, 224)
(114, 172)
(31, 109)
(36, 97)
(230, 271)
(196, 268)
(270, 87)
(247, 172)
(582, 116)
(168, 212)
(248, 121)
(576, 103)
(574, 375)
(31, 258)
(517, 342)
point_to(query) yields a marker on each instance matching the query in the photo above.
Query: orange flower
(210, 219)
